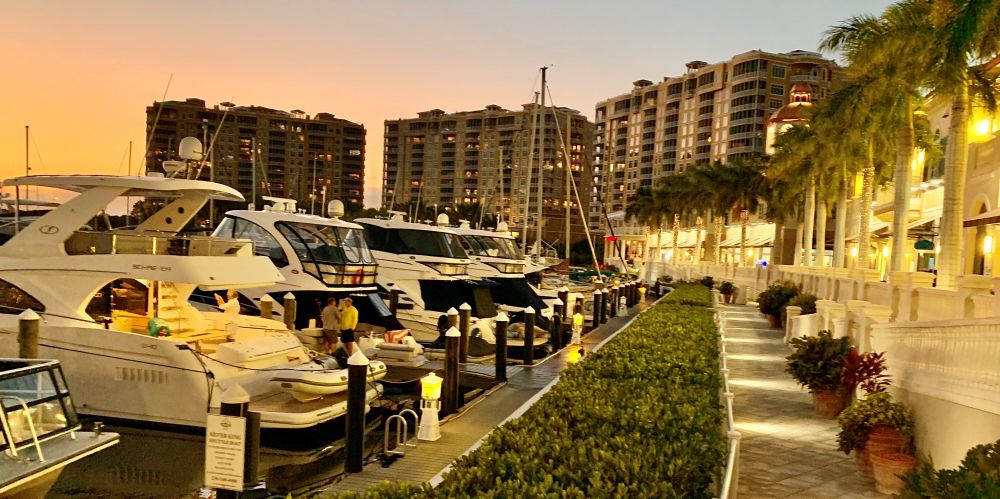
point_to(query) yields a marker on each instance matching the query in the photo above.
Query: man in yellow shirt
(348, 321)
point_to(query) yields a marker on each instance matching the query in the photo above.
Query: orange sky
(81, 73)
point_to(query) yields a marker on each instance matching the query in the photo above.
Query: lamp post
(430, 404)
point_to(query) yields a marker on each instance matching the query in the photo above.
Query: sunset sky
(82, 73)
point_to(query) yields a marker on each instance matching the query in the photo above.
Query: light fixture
(885, 251)
(430, 404)
(988, 244)
(854, 252)
(577, 329)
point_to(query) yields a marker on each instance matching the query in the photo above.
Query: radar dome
(190, 148)
(442, 219)
(335, 208)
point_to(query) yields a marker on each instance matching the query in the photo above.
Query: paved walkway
(787, 450)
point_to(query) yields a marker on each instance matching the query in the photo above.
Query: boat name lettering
(139, 266)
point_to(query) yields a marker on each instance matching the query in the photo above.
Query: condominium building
(713, 112)
(451, 159)
(302, 157)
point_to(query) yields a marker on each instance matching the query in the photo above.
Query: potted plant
(890, 470)
(772, 301)
(817, 363)
(708, 281)
(805, 301)
(726, 289)
(875, 424)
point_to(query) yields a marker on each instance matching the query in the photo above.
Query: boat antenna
(152, 131)
(576, 193)
(211, 144)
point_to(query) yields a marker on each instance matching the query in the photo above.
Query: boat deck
(462, 432)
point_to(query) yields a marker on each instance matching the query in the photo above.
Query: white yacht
(318, 257)
(114, 310)
(429, 266)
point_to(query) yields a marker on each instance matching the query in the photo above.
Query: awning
(873, 227)
(990, 217)
(926, 218)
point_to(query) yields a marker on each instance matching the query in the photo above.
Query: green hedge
(639, 418)
(690, 294)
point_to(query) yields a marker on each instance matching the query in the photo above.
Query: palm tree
(965, 31)
(648, 208)
(736, 185)
(890, 52)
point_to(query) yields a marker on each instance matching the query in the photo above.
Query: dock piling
(529, 336)
(597, 309)
(449, 399)
(27, 334)
(357, 379)
(267, 307)
(291, 309)
(464, 316)
(501, 354)
(555, 325)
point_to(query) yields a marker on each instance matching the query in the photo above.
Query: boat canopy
(148, 186)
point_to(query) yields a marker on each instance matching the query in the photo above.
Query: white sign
(225, 441)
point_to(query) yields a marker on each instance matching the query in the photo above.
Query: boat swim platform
(463, 432)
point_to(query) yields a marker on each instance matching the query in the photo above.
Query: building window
(778, 71)
(777, 90)
(775, 103)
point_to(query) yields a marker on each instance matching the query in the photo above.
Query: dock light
(642, 293)
(430, 404)
(577, 328)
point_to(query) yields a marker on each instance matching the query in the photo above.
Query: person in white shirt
(231, 305)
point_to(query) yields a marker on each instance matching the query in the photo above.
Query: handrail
(31, 427)
(730, 476)
(402, 432)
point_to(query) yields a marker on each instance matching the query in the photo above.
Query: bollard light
(577, 328)
(642, 293)
(430, 404)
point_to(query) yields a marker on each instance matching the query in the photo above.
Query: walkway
(786, 450)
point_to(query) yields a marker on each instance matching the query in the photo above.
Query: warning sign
(225, 441)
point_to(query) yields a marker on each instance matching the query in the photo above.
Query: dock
(461, 433)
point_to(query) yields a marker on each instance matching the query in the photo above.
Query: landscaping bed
(693, 294)
(639, 418)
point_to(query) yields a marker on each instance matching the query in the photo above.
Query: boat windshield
(500, 247)
(414, 242)
(316, 243)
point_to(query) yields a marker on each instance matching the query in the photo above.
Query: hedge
(690, 294)
(639, 418)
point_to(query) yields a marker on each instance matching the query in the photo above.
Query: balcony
(805, 78)
(750, 74)
(115, 243)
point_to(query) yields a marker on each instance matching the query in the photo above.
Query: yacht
(115, 312)
(39, 429)
(318, 257)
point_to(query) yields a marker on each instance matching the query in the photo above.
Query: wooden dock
(462, 432)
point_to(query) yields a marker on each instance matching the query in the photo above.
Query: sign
(225, 443)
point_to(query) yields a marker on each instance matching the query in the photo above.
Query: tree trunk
(821, 211)
(797, 257)
(901, 195)
(810, 217)
(718, 239)
(840, 230)
(865, 211)
(699, 227)
(744, 221)
(677, 225)
(776, 246)
(949, 265)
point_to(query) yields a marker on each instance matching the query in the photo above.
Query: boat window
(414, 242)
(354, 245)
(497, 246)
(120, 295)
(314, 242)
(264, 244)
(13, 300)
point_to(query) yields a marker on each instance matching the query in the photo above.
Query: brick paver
(787, 450)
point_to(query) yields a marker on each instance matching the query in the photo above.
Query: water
(158, 463)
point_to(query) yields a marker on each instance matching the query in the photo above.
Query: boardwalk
(787, 450)
(458, 435)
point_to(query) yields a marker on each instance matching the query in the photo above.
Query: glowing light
(749, 252)
(988, 244)
(885, 251)
(430, 387)
(937, 248)
(921, 156)
(982, 128)
(854, 252)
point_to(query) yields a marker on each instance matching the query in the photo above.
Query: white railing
(954, 360)
(731, 474)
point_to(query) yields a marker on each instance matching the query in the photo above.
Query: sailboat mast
(541, 171)
(27, 140)
(568, 169)
(253, 173)
(527, 183)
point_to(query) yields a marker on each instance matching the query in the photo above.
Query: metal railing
(115, 243)
(730, 476)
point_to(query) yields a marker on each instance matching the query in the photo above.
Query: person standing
(348, 321)
(330, 315)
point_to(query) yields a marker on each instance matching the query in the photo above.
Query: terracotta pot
(829, 403)
(863, 459)
(727, 298)
(889, 469)
(774, 321)
(884, 438)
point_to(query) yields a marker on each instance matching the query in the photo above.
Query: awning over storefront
(990, 217)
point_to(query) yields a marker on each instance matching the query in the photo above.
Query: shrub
(727, 288)
(773, 300)
(690, 294)
(638, 418)
(817, 362)
(977, 476)
(866, 371)
(805, 301)
(861, 417)
(708, 281)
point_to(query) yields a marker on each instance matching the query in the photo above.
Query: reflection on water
(159, 463)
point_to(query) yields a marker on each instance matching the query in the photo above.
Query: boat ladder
(12, 451)
(402, 432)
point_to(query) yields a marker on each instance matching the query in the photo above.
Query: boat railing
(120, 243)
(35, 405)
